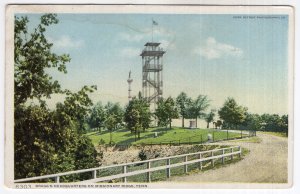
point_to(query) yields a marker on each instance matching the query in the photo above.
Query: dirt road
(266, 163)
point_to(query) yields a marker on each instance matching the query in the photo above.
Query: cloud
(130, 52)
(167, 45)
(65, 41)
(214, 50)
(131, 37)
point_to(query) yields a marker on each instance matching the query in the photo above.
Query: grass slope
(164, 136)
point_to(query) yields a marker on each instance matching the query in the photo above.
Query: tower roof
(152, 44)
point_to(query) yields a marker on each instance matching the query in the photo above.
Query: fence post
(240, 151)
(212, 160)
(227, 135)
(168, 169)
(231, 157)
(185, 166)
(56, 179)
(148, 173)
(223, 152)
(200, 163)
(124, 172)
(94, 174)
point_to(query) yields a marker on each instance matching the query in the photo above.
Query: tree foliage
(114, 117)
(47, 141)
(137, 115)
(116, 110)
(232, 113)
(266, 122)
(209, 117)
(32, 56)
(166, 111)
(98, 116)
(77, 106)
(197, 107)
(182, 102)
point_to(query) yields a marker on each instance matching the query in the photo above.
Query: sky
(219, 56)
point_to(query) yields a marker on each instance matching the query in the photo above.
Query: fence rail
(210, 155)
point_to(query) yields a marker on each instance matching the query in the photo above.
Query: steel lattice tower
(152, 59)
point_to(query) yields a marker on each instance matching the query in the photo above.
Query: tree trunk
(196, 123)
(207, 125)
(139, 135)
(170, 124)
(182, 122)
(110, 137)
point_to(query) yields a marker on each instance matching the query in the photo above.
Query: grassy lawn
(164, 135)
(249, 140)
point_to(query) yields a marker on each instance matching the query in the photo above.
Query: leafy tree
(252, 122)
(275, 123)
(137, 115)
(32, 56)
(116, 110)
(197, 107)
(98, 116)
(77, 106)
(209, 117)
(144, 111)
(46, 141)
(284, 124)
(114, 118)
(166, 111)
(182, 102)
(232, 113)
(111, 125)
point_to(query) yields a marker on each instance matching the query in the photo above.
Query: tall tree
(97, 117)
(182, 102)
(77, 106)
(232, 113)
(114, 117)
(197, 107)
(144, 111)
(116, 110)
(33, 55)
(46, 141)
(210, 117)
(274, 122)
(166, 111)
(137, 115)
(252, 122)
(111, 125)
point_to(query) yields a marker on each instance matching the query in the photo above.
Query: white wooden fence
(211, 156)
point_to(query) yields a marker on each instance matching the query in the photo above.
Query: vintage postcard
(149, 96)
